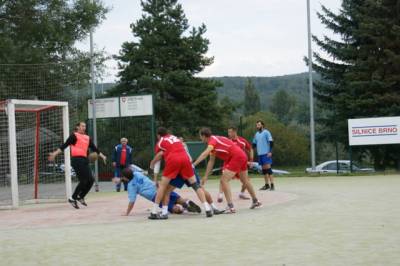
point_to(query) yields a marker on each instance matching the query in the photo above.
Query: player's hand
(269, 154)
(114, 164)
(203, 181)
(51, 157)
(151, 172)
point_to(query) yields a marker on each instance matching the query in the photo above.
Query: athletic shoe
(220, 198)
(193, 207)
(158, 216)
(217, 212)
(265, 187)
(118, 189)
(229, 210)
(73, 203)
(82, 201)
(243, 196)
(255, 205)
(272, 187)
(209, 213)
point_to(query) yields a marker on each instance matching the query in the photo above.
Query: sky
(247, 38)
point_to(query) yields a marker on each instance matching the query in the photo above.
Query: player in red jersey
(235, 161)
(246, 146)
(177, 162)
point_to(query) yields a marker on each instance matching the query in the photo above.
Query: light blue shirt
(142, 185)
(261, 140)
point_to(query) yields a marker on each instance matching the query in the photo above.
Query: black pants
(85, 177)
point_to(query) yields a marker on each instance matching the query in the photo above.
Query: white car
(331, 167)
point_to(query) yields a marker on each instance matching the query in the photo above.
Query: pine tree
(361, 77)
(283, 106)
(251, 99)
(163, 59)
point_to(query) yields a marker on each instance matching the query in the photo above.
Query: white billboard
(136, 105)
(373, 131)
(105, 107)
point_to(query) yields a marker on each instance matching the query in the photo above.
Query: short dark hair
(162, 131)
(233, 128)
(206, 132)
(128, 173)
(261, 122)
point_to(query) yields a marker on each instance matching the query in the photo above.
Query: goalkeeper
(79, 143)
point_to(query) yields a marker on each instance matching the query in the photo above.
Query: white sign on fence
(374, 131)
(136, 105)
(105, 107)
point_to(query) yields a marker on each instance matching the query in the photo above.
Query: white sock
(164, 210)
(213, 206)
(207, 206)
(155, 208)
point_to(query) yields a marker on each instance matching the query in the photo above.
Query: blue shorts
(178, 182)
(173, 198)
(264, 159)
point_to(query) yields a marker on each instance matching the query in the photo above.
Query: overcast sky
(248, 38)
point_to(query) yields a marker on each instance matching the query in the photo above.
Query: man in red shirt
(246, 147)
(177, 162)
(235, 161)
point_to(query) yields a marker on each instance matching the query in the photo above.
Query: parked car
(254, 168)
(331, 167)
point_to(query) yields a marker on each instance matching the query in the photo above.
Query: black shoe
(272, 187)
(73, 203)
(193, 207)
(265, 187)
(82, 201)
(209, 213)
(158, 216)
(216, 211)
(118, 189)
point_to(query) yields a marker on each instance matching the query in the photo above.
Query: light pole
(92, 77)
(311, 90)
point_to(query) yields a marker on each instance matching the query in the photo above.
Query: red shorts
(236, 163)
(178, 165)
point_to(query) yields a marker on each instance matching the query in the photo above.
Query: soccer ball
(93, 156)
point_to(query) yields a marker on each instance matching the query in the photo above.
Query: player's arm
(209, 168)
(129, 209)
(156, 159)
(93, 147)
(203, 155)
(271, 144)
(155, 164)
(71, 140)
(114, 156)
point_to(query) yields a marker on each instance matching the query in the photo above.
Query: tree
(44, 33)
(251, 99)
(361, 77)
(283, 106)
(163, 60)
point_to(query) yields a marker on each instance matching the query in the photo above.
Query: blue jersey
(261, 140)
(142, 185)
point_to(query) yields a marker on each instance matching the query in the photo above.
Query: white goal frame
(10, 110)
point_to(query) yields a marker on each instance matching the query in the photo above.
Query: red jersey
(223, 147)
(242, 143)
(171, 146)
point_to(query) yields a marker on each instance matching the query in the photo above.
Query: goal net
(29, 131)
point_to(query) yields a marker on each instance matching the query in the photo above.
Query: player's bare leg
(211, 202)
(266, 168)
(227, 175)
(201, 195)
(162, 188)
(242, 195)
(220, 197)
(165, 201)
(244, 177)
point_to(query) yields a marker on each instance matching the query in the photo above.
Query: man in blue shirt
(263, 142)
(121, 158)
(139, 184)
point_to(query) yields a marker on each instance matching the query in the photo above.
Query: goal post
(34, 128)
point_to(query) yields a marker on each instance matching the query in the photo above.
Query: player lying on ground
(142, 185)
(235, 161)
(178, 182)
(177, 163)
(246, 147)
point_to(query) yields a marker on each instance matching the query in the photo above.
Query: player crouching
(142, 185)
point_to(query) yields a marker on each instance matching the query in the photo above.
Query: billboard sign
(374, 131)
(136, 105)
